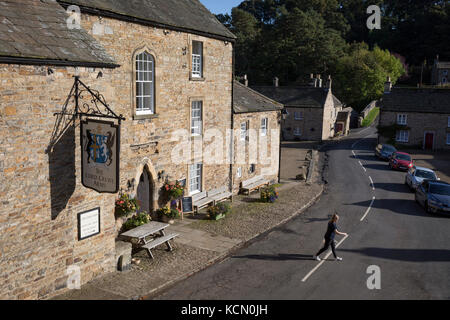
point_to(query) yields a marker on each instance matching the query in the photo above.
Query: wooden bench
(200, 200)
(159, 240)
(220, 194)
(252, 184)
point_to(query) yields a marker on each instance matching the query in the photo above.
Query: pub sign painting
(100, 155)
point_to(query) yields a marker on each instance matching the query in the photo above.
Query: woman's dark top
(331, 231)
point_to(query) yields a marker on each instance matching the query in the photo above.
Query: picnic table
(148, 236)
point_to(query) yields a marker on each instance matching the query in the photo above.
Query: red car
(401, 161)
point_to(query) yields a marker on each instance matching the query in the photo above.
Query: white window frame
(197, 61)
(239, 172)
(195, 178)
(244, 131)
(145, 80)
(402, 136)
(402, 119)
(448, 139)
(264, 126)
(197, 118)
(298, 115)
(297, 132)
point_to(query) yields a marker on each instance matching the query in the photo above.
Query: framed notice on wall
(88, 224)
(100, 141)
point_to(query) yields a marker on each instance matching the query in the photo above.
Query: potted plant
(218, 211)
(269, 194)
(135, 221)
(167, 214)
(125, 205)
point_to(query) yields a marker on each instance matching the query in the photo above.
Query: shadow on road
(393, 187)
(410, 255)
(277, 257)
(383, 167)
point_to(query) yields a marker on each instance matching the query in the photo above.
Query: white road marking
(371, 181)
(360, 163)
(321, 262)
(367, 212)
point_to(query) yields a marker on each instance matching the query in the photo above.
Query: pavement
(394, 250)
(203, 243)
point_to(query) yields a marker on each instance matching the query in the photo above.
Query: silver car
(416, 175)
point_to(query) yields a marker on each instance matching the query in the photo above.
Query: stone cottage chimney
(313, 81)
(328, 83)
(276, 82)
(319, 81)
(388, 86)
(245, 80)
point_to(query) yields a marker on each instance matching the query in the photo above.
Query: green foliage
(173, 191)
(269, 194)
(221, 208)
(171, 213)
(373, 114)
(136, 221)
(360, 76)
(125, 205)
(389, 132)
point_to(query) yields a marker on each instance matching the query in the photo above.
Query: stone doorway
(144, 192)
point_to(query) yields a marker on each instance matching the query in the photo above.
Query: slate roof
(303, 97)
(417, 100)
(189, 15)
(36, 32)
(246, 100)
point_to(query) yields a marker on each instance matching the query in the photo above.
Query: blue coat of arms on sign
(99, 147)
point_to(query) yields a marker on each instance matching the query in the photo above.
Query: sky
(220, 6)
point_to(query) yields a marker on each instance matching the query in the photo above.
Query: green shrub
(136, 221)
(218, 209)
(269, 194)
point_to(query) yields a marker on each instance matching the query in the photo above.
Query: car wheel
(427, 208)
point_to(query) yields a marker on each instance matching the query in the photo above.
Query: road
(410, 247)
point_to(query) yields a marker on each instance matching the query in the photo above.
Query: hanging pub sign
(100, 141)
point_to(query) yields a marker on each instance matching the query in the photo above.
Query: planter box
(219, 216)
(166, 219)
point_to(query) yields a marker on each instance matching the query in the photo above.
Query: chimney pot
(276, 82)
(245, 80)
(388, 85)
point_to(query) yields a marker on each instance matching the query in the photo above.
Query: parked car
(416, 175)
(434, 196)
(401, 161)
(384, 151)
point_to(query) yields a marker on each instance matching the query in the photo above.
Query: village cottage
(440, 72)
(415, 117)
(257, 143)
(162, 69)
(312, 110)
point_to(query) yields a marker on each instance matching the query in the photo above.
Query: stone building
(312, 110)
(165, 66)
(440, 72)
(419, 117)
(257, 140)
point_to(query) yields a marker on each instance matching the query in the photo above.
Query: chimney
(245, 80)
(319, 81)
(275, 82)
(328, 83)
(313, 81)
(388, 86)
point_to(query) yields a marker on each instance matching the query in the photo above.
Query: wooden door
(429, 139)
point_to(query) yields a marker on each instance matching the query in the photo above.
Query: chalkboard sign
(187, 206)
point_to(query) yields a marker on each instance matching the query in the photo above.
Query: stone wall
(310, 126)
(330, 113)
(419, 124)
(41, 193)
(248, 153)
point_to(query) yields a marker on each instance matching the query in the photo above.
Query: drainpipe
(232, 121)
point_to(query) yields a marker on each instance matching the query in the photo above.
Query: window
(197, 59)
(297, 131)
(264, 123)
(145, 83)
(402, 136)
(448, 138)
(448, 122)
(402, 119)
(239, 172)
(196, 118)
(244, 131)
(444, 80)
(298, 115)
(445, 72)
(195, 178)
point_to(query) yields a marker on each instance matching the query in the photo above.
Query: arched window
(145, 84)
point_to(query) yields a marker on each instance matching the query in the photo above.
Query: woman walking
(329, 238)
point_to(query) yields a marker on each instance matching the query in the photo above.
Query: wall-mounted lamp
(184, 51)
(166, 32)
(49, 71)
(161, 175)
(226, 42)
(100, 75)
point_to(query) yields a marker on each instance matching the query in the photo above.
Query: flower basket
(136, 221)
(219, 211)
(125, 205)
(167, 214)
(269, 194)
(173, 191)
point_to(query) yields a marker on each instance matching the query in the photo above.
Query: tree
(360, 76)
